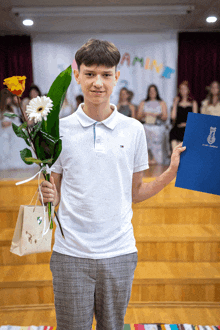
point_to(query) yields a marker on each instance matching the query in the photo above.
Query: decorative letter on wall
(137, 59)
(125, 57)
(157, 67)
(124, 83)
(147, 63)
(167, 72)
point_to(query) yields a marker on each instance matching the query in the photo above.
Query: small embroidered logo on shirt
(121, 146)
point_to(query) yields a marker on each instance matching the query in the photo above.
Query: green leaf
(57, 94)
(36, 128)
(10, 115)
(20, 133)
(24, 125)
(26, 153)
(38, 161)
(44, 145)
(57, 150)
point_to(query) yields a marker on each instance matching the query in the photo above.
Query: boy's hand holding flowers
(49, 192)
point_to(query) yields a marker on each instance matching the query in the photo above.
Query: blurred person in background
(79, 99)
(211, 105)
(16, 107)
(182, 105)
(67, 109)
(153, 112)
(124, 106)
(10, 144)
(5, 106)
(130, 97)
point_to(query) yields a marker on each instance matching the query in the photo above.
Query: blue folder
(199, 167)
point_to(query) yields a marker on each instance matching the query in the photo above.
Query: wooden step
(8, 258)
(12, 195)
(175, 314)
(9, 215)
(179, 243)
(153, 281)
(177, 213)
(194, 313)
(194, 214)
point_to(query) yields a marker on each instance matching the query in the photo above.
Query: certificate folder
(199, 167)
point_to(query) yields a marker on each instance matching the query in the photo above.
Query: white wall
(53, 53)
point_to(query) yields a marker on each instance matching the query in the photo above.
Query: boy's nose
(98, 82)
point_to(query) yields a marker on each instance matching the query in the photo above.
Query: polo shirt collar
(86, 121)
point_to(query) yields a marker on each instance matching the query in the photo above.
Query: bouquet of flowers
(43, 135)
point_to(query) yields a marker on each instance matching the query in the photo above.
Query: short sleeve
(57, 166)
(141, 152)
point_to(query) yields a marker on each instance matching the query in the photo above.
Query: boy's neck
(98, 112)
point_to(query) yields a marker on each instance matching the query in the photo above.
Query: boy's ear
(76, 75)
(117, 75)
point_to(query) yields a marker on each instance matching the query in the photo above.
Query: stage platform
(177, 279)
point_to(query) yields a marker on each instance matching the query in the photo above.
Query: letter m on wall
(137, 59)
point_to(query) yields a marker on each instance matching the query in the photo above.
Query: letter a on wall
(126, 57)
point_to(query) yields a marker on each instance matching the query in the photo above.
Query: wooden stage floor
(177, 279)
(153, 171)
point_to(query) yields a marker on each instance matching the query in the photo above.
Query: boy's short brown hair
(98, 52)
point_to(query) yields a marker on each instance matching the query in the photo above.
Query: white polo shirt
(97, 162)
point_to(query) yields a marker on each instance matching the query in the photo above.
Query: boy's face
(97, 82)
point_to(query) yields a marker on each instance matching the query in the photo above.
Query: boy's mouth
(97, 91)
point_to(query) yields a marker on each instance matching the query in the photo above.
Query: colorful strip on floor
(128, 327)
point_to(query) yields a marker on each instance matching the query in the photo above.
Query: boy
(95, 179)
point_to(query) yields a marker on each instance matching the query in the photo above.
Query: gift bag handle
(44, 230)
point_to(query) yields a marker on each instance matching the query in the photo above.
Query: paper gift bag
(32, 232)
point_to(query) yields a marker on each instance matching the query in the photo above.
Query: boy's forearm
(149, 189)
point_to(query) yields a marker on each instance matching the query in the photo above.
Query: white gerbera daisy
(38, 108)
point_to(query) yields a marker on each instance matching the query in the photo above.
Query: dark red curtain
(16, 59)
(199, 61)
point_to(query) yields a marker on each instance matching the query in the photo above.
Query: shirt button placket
(98, 138)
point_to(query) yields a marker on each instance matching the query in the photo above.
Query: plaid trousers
(85, 286)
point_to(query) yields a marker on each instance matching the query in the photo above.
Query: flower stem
(56, 214)
(24, 120)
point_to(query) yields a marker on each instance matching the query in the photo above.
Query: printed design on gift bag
(30, 238)
(211, 138)
(39, 220)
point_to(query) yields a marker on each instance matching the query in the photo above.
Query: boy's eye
(107, 75)
(89, 74)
